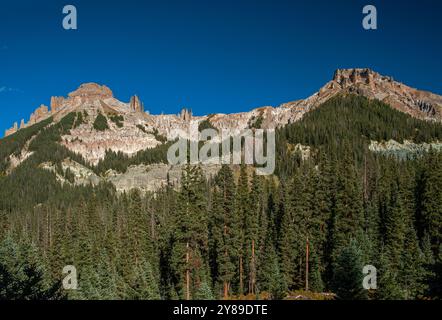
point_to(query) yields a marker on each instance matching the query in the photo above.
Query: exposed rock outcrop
(136, 105)
(92, 144)
(149, 178)
(93, 99)
(153, 177)
(80, 174)
(403, 150)
(186, 115)
(56, 104)
(12, 130)
(92, 91)
(419, 104)
(39, 114)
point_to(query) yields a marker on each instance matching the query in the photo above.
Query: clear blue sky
(209, 55)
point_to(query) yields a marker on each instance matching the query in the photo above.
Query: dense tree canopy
(319, 219)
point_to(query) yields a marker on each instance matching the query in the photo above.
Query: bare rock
(12, 130)
(186, 115)
(39, 114)
(56, 104)
(92, 91)
(136, 105)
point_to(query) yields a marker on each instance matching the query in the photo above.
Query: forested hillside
(237, 234)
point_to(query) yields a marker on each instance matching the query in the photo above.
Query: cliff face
(139, 130)
(417, 103)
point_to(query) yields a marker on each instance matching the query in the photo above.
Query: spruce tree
(189, 253)
(251, 234)
(23, 276)
(241, 212)
(287, 244)
(347, 280)
(224, 230)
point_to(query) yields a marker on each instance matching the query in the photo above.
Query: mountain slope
(332, 198)
(351, 123)
(99, 138)
(138, 130)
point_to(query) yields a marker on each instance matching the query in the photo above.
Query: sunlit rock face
(131, 129)
(139, 130)
(146, 178)
(417, 103)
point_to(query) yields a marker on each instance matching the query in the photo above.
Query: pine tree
(204, 292)
(22, 274)
(188, 256)
(388, 279)
(316, 283)
(347, 218)
(270, 277)
(224, 230)
(251, 234)
(287, 244)
(431, 199)
(347, 280)
(395, 228)
(435, 279)
(238, 237)
(145, 282)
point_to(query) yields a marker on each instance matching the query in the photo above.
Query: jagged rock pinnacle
(136, 105)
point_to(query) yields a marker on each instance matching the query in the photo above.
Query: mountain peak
(87, 94)
(365, 82)
(357, 75)
(368, 83)
(92, 90)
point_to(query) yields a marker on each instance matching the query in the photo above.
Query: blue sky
(211, 56)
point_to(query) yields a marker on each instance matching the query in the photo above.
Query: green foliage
(270, 276)
(205, 124)
(13, 144)
(430, 185)
(79, 121)
(204, 292)
(100, 123)
(237, 233)
(142, 128)
(120, 161)
(22, 274)
(347, 281)
(118, 120)
(158, 136)
(350, 122)
(33, 184)
(189, 246)
(223, 229)
(256, 122)
(155, 133)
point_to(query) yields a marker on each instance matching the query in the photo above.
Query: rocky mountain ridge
(139, 130)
